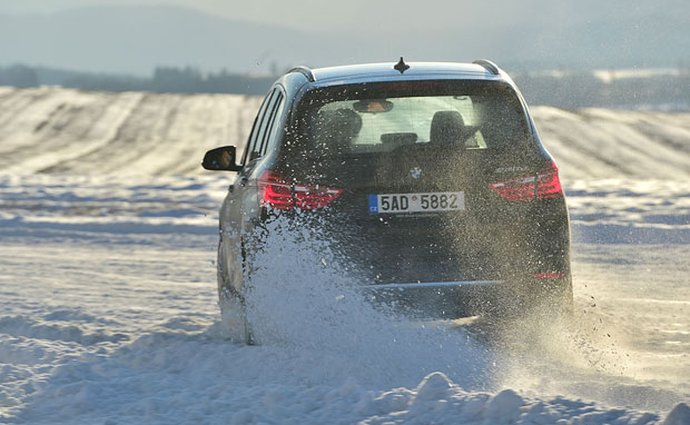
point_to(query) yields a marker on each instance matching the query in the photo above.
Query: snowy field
(107, 281)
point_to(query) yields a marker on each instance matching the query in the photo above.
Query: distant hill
(134, 40)
(54, 130)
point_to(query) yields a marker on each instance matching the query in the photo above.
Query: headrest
(447, 127)
(340, 123)
(335, 130)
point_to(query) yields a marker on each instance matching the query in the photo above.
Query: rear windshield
(475, 115)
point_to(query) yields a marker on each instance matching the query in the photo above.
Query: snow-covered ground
(107, 282)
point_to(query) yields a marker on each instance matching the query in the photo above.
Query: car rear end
(438, 192)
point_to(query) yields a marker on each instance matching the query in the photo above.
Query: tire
(233, 309)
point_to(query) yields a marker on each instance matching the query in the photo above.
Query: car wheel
(233, 309)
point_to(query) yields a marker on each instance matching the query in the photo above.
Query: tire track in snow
(137, 135)
(639, 152)
(560, 131)
(671, 133)
(71, 123)
(101, 132)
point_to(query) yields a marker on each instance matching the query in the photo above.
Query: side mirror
(221, 159)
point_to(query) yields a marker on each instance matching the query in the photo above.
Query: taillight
(276, 192)
(543, 185)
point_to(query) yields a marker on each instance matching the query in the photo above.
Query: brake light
(276, 192)
(543, 185)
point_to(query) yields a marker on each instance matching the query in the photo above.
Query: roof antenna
(401, 66)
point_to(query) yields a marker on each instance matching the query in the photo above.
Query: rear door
(241, 198)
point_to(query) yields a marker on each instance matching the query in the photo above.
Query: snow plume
(304, 295)
(579, 356)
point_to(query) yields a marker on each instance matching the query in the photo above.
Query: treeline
(163, 80)
(177, 80)
(20, 76)
(564, 89)
(668, 90)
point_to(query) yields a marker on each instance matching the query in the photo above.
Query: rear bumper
(439, 299)
(455, 299)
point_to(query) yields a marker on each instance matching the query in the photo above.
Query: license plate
(400, 203)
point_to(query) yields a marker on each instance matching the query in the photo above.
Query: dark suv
(430, 177)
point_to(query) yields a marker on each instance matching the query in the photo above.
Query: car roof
(379, 72)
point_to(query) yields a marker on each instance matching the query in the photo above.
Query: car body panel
(492, 243)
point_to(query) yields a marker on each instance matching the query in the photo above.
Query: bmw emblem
(416, 173)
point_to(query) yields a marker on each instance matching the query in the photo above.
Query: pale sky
(569, 33)
(366, 16)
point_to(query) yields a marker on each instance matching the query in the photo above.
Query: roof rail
(488, 65)
(304, 70)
